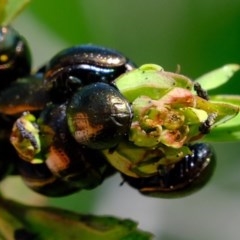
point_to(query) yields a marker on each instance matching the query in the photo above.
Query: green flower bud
(167, 116)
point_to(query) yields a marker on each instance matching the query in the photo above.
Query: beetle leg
(206, 125)
(200, 91)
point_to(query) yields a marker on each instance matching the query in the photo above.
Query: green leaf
(230, 130)
(9, 9)
(48, 223)
(217, 77)
(150, 80)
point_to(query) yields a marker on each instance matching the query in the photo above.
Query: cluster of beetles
(43, 102)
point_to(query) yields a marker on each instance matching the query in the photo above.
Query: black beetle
(99, 116)
(81, 65)
(15, 56)
(179, 179)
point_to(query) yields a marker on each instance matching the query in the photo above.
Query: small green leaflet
(217, 77)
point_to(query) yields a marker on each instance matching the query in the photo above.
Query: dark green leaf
(54, 224)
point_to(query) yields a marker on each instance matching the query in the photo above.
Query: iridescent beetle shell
(25, 94)
(99, 116)
(81, 65)
(179, 179)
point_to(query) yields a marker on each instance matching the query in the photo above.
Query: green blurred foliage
(66, 18)
(197, 35)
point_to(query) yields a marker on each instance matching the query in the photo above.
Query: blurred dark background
(197, 35)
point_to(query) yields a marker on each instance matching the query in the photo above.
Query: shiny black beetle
(99, 117)
(81, 65)
(180, 179)
(15, 56)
